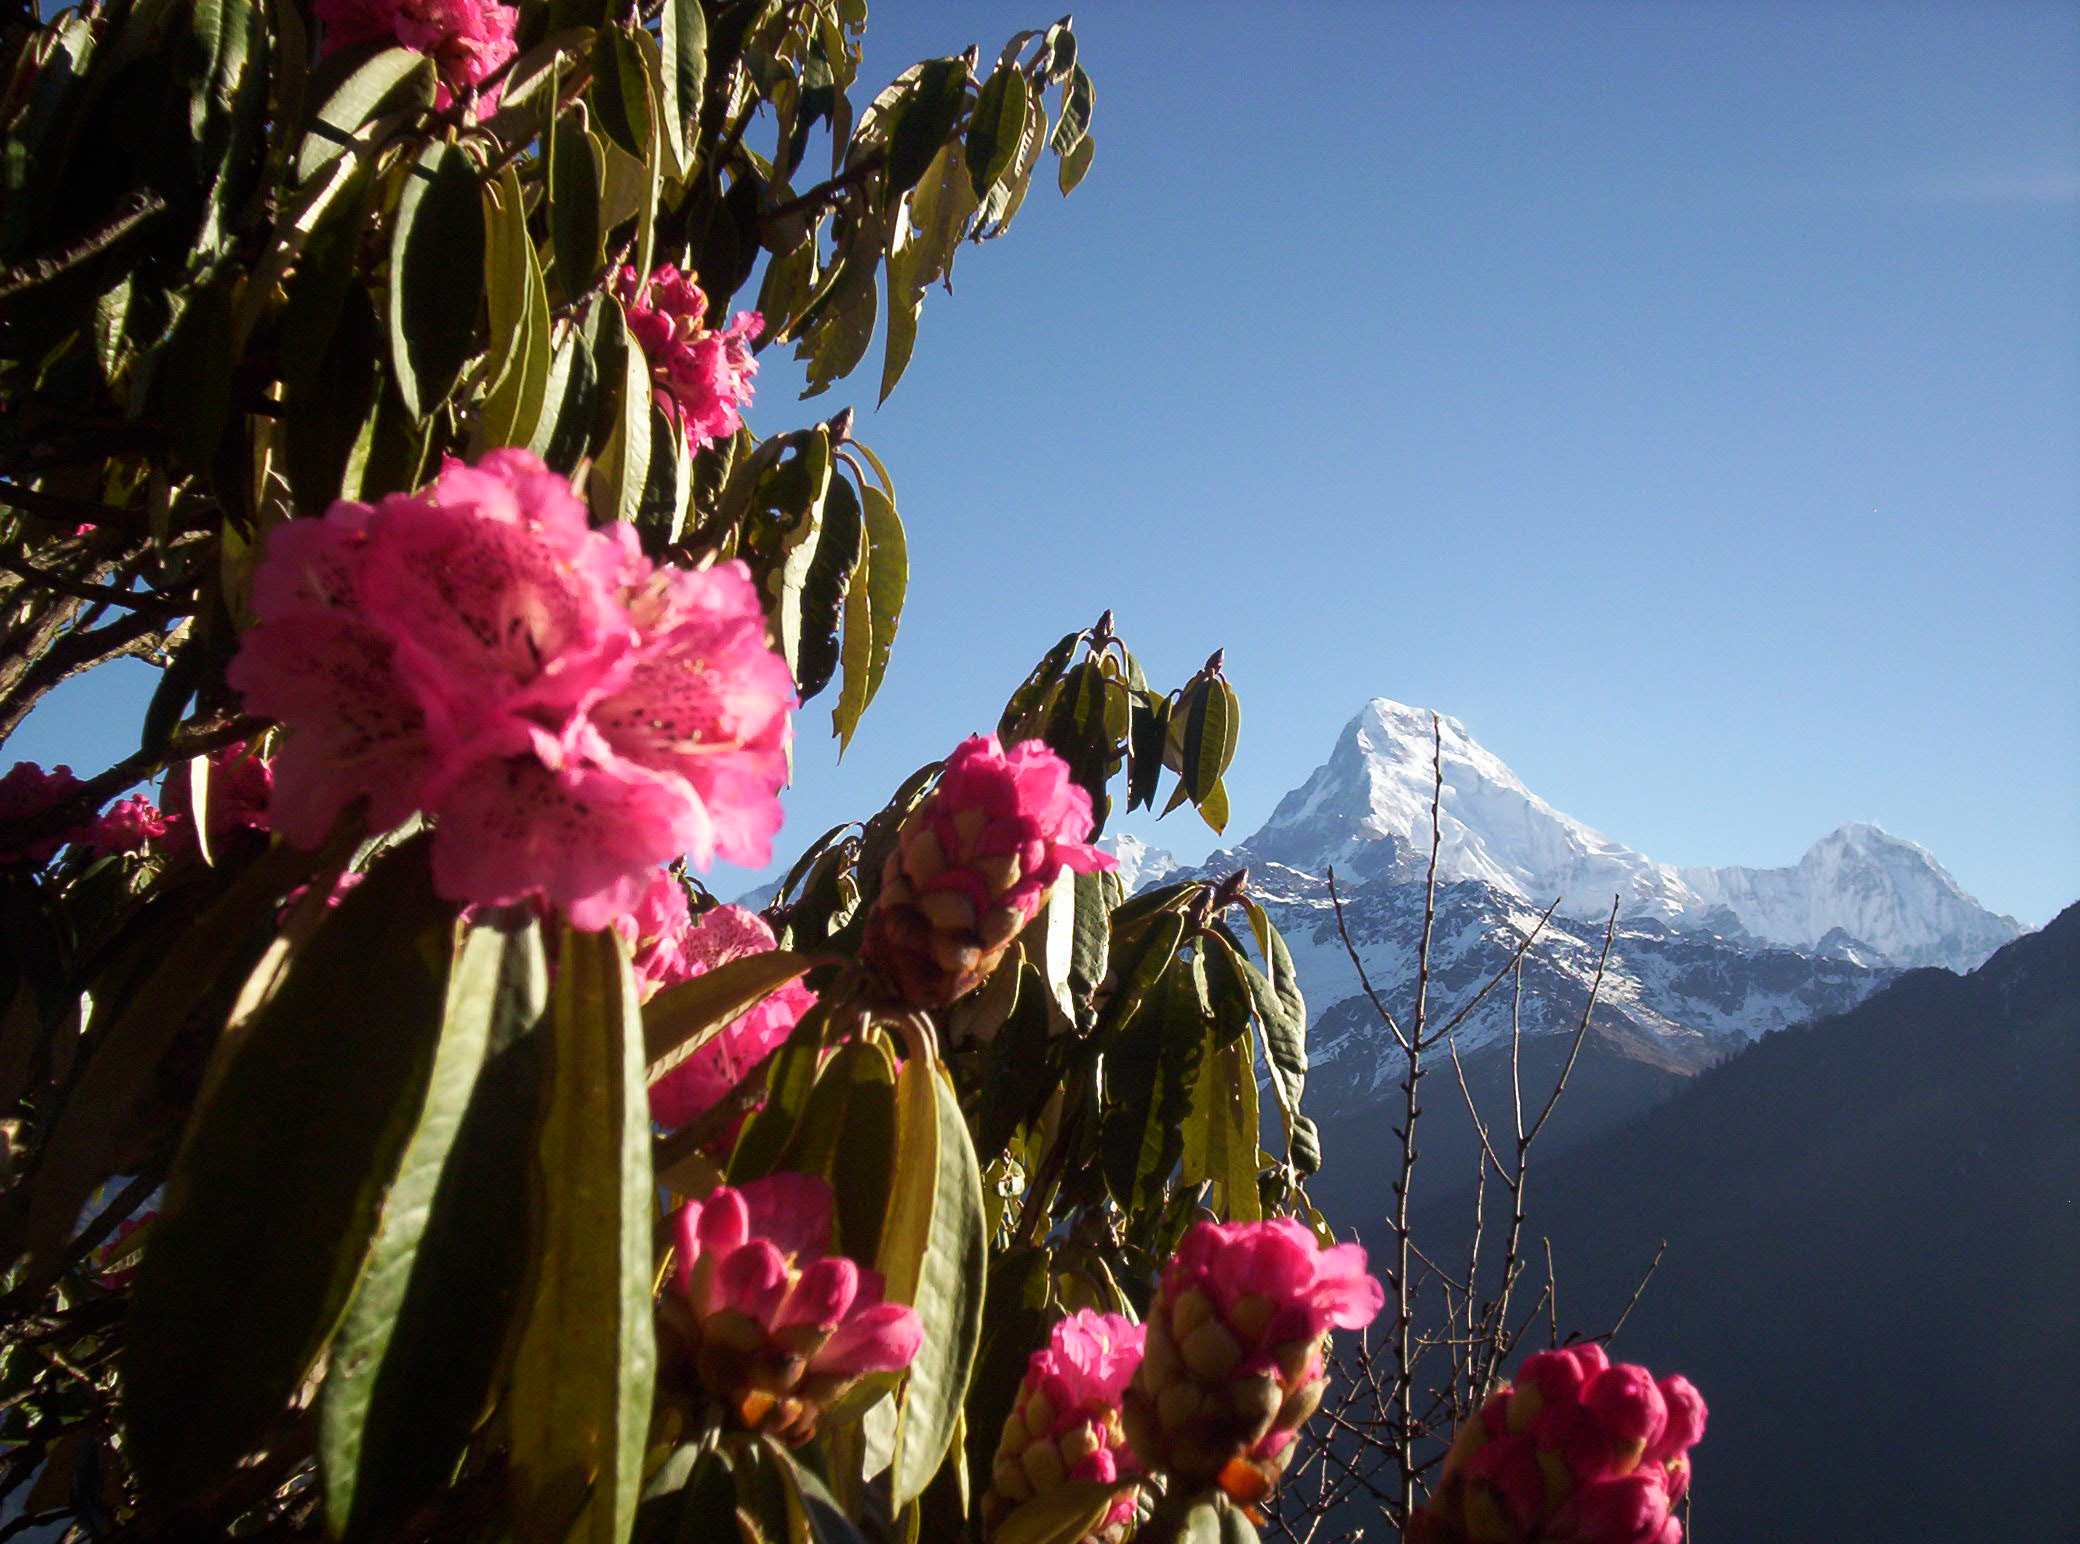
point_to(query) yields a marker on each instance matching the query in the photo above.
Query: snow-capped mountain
(1860, 894)
(1139, 863)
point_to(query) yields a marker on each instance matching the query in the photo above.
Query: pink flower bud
(1065, 1423)
(1233, 1363)
(780, 1326)
(1578, 1452)
(972, 866)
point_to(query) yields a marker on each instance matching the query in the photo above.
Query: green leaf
(923, 122)
(381, 1456)
(436, 276)
(934, 1250)
(273, 1196)
(838, 340)
(1208, 736)
(1151, 1075)
(575, 168)
(389, 83)
(1076, 164)
(684, 37)
(994, 127)
(847, 1136)
(1070, 130)
(1220, 1138)
(1069, 1512)
(563, 435)
(624, 468)
(325, 270)
(840, 539)
(520, 327)
(620, 93)
(888, 578)
(579, 1407)
(684, 1017)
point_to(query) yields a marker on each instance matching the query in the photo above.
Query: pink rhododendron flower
(702, 378)
(466, 39)
(126, 826)
(1065, 1423)
(29, 790)
(1577, 1451)
(570, 714)
(972, 865)
(1233, 1366)
(240, 789)
(693, 1087)
(656, 932)
(781, 1326)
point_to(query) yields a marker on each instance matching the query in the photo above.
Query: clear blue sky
(1684, 395)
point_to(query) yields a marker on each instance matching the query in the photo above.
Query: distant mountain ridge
(1859, 893)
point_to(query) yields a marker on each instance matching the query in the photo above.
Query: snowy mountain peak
(1366, 810)
(1139, 863)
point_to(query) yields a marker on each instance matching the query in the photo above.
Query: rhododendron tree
(385, 376)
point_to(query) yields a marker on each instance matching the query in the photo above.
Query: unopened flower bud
(1578, 1452)
(1065, 1425)
(971, 867)
(781, 1327)
(1235, 1339)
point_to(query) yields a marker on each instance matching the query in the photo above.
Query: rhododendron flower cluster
(972, 864)
(1233, 1365)
(570, 714)
(782, 1326)
(1577, 1451)
(720, 935)
(1065, 1425)
(466, 39)
(29, 790)
(702, 378)
(127, 826)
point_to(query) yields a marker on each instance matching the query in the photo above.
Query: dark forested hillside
(1873, 1264)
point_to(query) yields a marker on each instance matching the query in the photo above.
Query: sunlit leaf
(436, 282)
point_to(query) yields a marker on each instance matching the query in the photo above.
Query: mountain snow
(1860, 894)
(1139, 863)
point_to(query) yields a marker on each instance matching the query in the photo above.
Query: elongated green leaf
(924, 121)
(1220, 1137)
(840, 539)
(994, 127)
(888, 578)
(1139, 961)
(381, 1456)
(847, 1135)
(836, 341)
(1063, 1515)
(934, 1249)
(1151, 1077)
(386, 83)
(282, 1170)
(1076, 164)
(855, 654)
(1070, 130)
(625, 466)
(684, 1017)
(575, 168)
(684, 37)
(581, 1386)
(619, 91)
(520, 327)
(436, 276)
